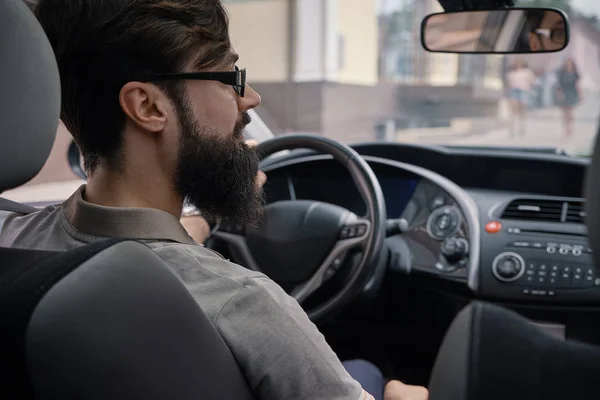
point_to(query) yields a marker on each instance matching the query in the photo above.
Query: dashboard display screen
(341, 191)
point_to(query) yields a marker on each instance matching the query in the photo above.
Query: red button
(493, 227)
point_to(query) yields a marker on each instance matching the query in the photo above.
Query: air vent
(575, 212)
(545, 211)
(534, 210)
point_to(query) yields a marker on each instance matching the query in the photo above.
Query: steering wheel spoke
(238, 246)
(354, 233)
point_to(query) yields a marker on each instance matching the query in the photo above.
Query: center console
(538, 265)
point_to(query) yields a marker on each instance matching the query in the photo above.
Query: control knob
(443, 222)
(454, 249)
(508, 267)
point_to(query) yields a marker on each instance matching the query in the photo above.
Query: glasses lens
(558, 36)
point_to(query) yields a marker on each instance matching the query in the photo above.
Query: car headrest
(29, 95)
(592, 202)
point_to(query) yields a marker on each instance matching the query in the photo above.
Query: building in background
(434, 89)
(315, 67)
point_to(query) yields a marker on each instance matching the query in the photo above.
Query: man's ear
(145, 105)
(534, 42)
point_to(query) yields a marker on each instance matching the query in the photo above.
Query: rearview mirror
(500, 31)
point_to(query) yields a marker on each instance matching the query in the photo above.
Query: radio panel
(548, 270)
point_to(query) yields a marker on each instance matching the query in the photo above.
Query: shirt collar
(123, 222)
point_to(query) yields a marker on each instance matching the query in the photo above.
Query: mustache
(241, 124)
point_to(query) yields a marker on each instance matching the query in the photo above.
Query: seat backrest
(105, 321)
(492, 353)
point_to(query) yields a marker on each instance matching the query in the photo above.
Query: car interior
(473, 269)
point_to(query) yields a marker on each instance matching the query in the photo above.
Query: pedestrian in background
(568, 93)
(520, 80)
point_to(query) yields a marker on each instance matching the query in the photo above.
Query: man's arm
(280, 351)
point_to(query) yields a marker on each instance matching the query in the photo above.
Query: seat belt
(13, 206)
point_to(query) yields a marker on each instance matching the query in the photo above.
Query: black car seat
(492, 353)
(107, 321)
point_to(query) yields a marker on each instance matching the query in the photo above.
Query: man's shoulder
(210, 278)
(20, 229)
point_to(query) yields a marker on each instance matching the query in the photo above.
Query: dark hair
(563, 68)
(100, 45)
(534, 19)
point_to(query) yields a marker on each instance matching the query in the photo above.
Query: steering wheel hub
(298, 235)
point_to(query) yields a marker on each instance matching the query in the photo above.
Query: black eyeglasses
(236, 78)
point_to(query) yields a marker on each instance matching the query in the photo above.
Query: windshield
(355, 71)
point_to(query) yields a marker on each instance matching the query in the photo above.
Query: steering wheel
(301, 244)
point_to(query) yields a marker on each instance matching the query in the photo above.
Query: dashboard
(503, 238)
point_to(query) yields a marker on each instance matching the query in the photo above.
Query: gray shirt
(280, 351)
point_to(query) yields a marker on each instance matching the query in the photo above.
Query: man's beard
(217, 172)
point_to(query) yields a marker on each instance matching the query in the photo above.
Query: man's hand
(396, 390)
(197, 227)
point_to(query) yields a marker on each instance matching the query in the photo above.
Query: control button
(538, 245)
(438, 201)
(526, 291)
(564, 278)
(564, 251)
(577, 280)
(329, 273)
(336, 263)
(551, 249)
(361, 229)
(551, 293)
(521, 244)
(577, 252)
(344, 233)
(443, 222)
(597, 282)
(508, 267)
(589, 277)
(353, 231)
(494, 227)
(554, 268)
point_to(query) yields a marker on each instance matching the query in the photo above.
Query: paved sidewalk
(543, 129)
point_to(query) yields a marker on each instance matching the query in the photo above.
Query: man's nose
(250, 100)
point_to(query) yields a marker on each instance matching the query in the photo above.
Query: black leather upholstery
(29, 95)
(105, 321)
(492, 353)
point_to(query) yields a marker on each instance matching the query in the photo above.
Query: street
(544, 128)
